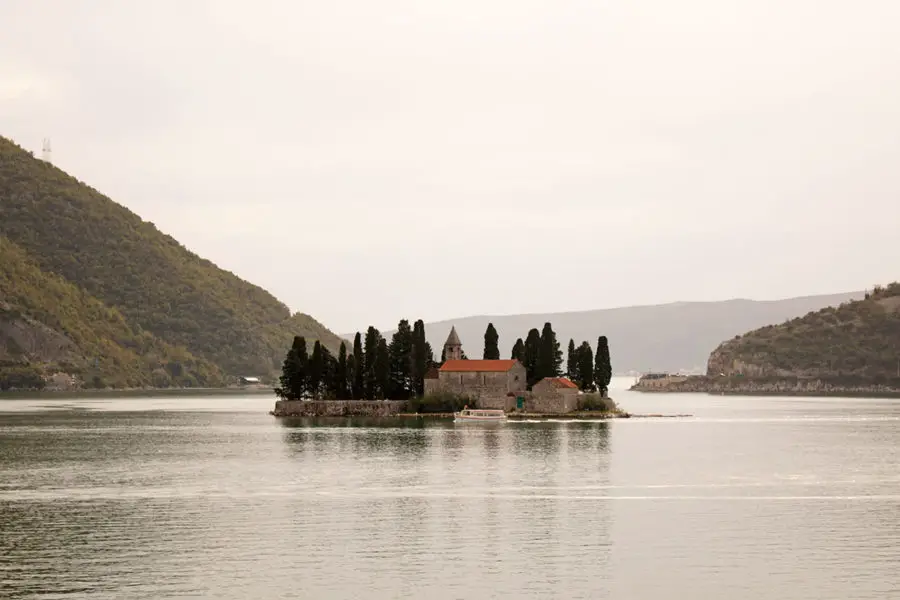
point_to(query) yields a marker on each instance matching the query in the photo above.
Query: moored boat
(474, 414)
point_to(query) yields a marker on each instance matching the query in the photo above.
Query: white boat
(474, 414)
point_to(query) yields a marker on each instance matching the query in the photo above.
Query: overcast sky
(367, 161)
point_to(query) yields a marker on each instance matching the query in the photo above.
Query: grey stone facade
(490, 383)
(490, 387)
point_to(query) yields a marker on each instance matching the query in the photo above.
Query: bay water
(211, 497)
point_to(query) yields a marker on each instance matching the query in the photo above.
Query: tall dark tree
(351, 377)
(422, 358)
(532, 356)
(370, 378)
(550, 356)
(584, 358)
(358, 387)
(491, 341)
(342, 375)
(317, 370)
(382, 369)
(602, 365)
(294, 381)
(518, 351)
(571, 362)
(329, 374)
(401, 358)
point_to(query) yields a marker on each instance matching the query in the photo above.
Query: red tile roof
(561, 382)
(482, 366)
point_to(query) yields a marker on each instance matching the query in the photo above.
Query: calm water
(213, 498)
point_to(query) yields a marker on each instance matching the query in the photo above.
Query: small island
(847, 350)
(402, 377)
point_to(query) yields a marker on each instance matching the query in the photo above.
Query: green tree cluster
(375, 370)
(540, 353)
(580, 366)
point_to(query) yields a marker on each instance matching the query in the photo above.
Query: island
(383, 379)
(848, 350)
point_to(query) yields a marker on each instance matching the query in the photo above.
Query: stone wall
(661, 382)
(551, 400)
(487, 389)
(338, 408)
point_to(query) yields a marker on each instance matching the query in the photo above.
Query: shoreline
(771, 386)
(134, 392)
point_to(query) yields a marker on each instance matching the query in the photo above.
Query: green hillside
(859, 339)
(49, 325)
(155, 283)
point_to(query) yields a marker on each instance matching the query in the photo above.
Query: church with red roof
(494, 383)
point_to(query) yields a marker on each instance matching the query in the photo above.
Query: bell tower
(453, 347)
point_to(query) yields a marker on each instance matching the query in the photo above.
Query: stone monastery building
(495, 383)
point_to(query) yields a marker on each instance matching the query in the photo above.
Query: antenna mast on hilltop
(45, 150)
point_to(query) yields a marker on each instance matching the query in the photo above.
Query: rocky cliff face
(730, 359)
(24, 340)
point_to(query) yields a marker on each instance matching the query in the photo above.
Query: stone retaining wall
(338, 408)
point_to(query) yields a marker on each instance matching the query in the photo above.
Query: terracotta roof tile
(564, 382)
(489, 366)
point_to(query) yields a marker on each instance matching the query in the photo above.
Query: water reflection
(240, 505)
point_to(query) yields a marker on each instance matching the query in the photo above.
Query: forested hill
(72, 231)
(859, 340)
(48, 325)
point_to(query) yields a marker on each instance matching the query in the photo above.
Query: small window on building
(482, 379)
(516, 378)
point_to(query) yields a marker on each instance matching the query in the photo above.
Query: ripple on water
(238, 504)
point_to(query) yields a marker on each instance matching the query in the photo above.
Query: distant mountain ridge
(73, 255)
(663, 337)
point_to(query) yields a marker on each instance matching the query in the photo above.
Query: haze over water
(212, 497)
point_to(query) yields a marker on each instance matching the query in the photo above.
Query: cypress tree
(382, 369)
(602, 365)
(571, 362)
(370, 379)
(316, 370)
(422, 357)
(518, 351)
(329, 374)
(443, 355)
(400, 351)
(550, 356)
(294, 372)
(491, 340)
(358, 386)
(584, 356)
(341, 375)
(351, 377)
(532, 356)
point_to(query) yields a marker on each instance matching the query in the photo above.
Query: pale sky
(367, 161)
